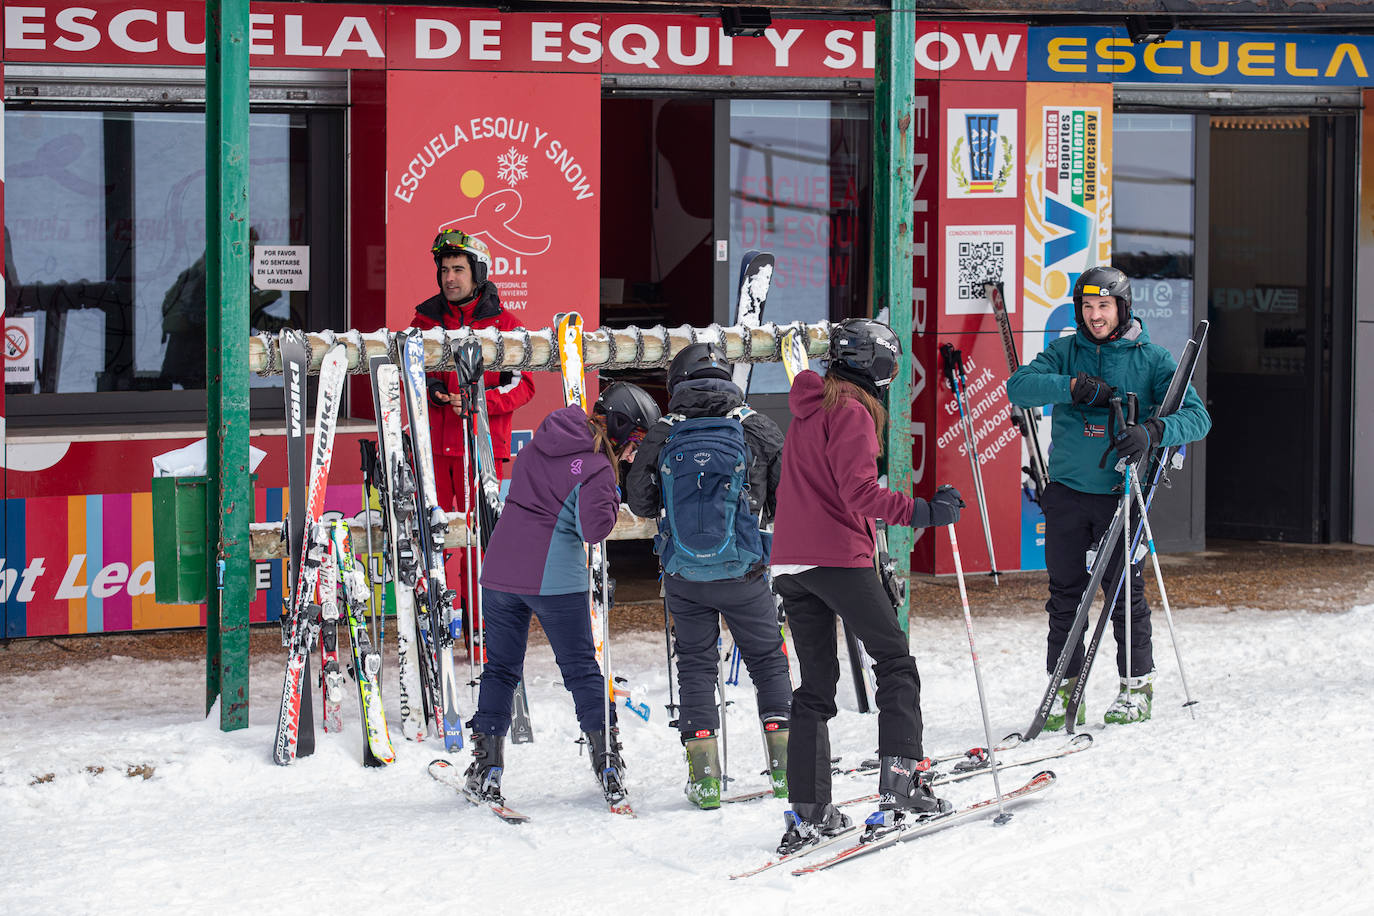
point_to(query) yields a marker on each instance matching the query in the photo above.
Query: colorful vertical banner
(978, 229)
(514, 159)
(1068, 222)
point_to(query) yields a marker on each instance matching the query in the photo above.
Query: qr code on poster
(979, 263)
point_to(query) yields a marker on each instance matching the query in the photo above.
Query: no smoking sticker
(19, 365)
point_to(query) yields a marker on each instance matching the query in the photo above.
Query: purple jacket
(562, 494)
(829, 489)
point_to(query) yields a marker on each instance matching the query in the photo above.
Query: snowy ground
(1260, 804)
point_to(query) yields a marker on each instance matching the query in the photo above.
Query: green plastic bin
(179, 561)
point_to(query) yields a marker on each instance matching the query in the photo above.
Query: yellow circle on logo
(1056, 284)
(472, 182)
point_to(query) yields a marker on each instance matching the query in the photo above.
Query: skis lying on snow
(871, 765)
(448, 774)
(977, 760)
(877, 836)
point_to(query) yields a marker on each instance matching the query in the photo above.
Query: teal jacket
(1079, 434)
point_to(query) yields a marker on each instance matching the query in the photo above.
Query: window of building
(800, 188)
(105, 244)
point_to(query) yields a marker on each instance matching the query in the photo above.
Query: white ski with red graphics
(398, 509)
(880, 835)
(305, 613)
(352, 589)
(975, 763)
(448, 774)
(432, 522)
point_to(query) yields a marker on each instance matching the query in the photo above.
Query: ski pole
(1164, 598)
(606, 646)
(1004, 816)
(668, 653)
(955, 375)
(1126, 546)
(369, 459)
(720, 685)
(470, 604)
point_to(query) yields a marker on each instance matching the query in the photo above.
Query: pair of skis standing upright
(415, 525)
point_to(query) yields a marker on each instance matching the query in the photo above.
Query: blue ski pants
(566, 620)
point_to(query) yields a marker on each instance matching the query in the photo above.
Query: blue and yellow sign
(1232, 58)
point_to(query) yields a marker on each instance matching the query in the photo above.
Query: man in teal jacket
(1110, 354)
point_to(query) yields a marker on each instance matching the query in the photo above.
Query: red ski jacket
(506, 391)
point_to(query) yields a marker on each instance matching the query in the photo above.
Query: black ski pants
(813, 599)
(1074, 523)
(749, 610)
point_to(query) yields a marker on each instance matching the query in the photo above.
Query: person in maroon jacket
(466, 298)
(822, 566)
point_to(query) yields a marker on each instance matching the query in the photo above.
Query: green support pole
(894, 102)
(229, 493)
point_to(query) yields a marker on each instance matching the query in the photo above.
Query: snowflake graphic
(510, 167)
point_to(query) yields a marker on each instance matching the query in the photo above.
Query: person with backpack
(563, 495)
(823, 545)
(708, 471)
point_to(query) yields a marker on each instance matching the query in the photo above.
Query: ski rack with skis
(537, 350)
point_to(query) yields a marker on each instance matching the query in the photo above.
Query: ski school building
(621, 164)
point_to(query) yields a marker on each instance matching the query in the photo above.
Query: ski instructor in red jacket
(466, 299)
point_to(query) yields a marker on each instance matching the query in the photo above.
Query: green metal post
(229, 493)
(894, 91)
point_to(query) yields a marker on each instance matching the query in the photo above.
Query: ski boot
(1132, 706)
(1055, 720)
(608, 765)
(808, 823)
(904, 789)
(703, 769)
(484, 773)
(775, 731)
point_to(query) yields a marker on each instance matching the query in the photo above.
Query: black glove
(436, 386)
(1133, 442)
(945, 506)
(1091, 391)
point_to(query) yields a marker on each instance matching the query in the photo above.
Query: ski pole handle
(1132, 408)
(947, 361)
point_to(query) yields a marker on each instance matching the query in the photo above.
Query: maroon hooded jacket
(829, 491)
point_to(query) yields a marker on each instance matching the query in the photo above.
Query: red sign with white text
(323, 35)
(514, 159)
(313, 35)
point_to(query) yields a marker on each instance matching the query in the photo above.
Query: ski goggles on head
(454, 238)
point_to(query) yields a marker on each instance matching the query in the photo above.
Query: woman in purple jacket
(823, 566)
(563, 495)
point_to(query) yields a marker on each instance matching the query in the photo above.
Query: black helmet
(627, 409)
(698, 360)
(455, 241)
(1105, 281)
(865, 351)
